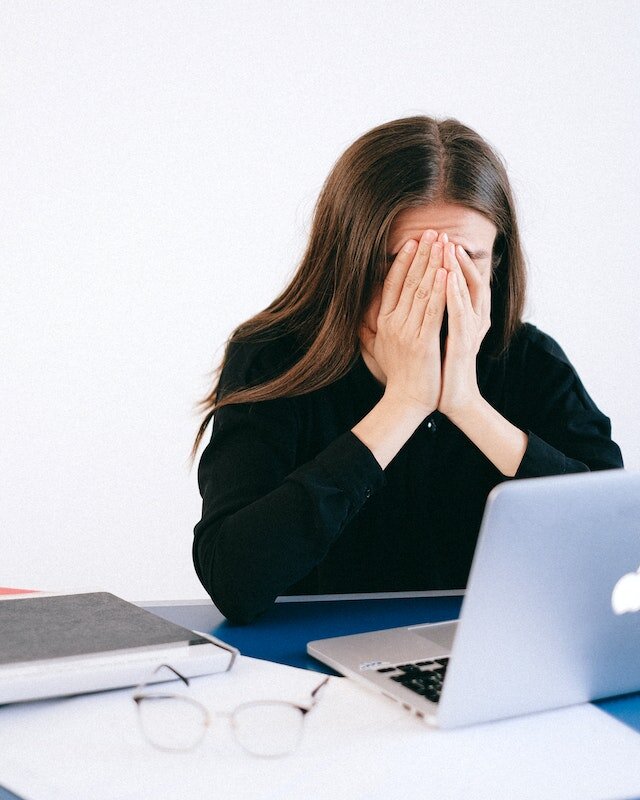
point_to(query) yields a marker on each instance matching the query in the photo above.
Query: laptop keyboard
(423, 677)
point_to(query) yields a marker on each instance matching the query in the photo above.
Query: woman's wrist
(389, 425)
(502, 443)
(474, 407)
(402, 405)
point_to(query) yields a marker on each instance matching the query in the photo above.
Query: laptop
(550, 617)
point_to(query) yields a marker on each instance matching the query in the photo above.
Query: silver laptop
(550, 618)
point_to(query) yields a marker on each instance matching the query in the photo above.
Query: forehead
(464, 225)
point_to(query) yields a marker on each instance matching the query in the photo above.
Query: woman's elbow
(234, 601)
(239, 614)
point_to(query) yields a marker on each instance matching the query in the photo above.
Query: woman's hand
(469, 308)
(405, 344)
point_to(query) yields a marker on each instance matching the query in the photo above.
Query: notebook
(55, 645)
(550, 617)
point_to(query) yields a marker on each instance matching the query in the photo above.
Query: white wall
(160, 162)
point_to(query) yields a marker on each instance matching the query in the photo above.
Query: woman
(362, 419)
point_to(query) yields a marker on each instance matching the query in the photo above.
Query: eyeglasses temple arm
(234, 652)
(314, 694)
(139, 688)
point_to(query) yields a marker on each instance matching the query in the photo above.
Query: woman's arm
(562, 428)
(468, 304)
(564, 431)
(265, 521)
(501, 442)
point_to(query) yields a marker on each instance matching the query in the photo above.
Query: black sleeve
(266, 519)
(567, 431)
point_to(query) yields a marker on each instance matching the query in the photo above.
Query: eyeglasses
(177, 723)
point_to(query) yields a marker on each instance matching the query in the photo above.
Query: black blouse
(294, 503)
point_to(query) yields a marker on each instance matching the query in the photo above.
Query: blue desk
(282, 633)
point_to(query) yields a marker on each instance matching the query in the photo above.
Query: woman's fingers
(455, 299)
(434, 311)
(424, 289)
(410, 283)
(452, 265)
(415, 273)
(394, 281)
(477, 288)
(456, 310)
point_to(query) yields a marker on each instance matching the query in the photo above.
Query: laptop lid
(538, 628)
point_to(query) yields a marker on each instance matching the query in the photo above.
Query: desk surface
(282, 633)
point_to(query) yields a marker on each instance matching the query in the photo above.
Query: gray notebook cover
(36, 628)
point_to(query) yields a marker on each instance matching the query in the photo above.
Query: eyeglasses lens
(172, 723)
(268, 729)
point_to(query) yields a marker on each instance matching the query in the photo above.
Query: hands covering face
(404, 340)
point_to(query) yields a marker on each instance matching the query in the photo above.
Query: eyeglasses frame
(140, 694)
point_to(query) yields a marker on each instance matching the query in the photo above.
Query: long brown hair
(400, 164)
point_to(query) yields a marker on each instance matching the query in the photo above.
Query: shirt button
(367, 493)
(431, 426)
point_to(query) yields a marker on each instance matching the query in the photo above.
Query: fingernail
(430, 236)
(445, 238)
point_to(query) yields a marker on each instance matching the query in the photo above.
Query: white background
(160, 162)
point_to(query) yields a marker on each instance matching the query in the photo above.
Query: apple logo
(626, 593)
